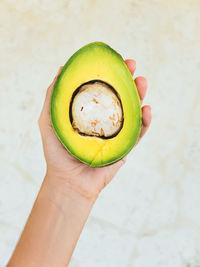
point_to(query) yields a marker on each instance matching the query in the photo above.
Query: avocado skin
(53, 118)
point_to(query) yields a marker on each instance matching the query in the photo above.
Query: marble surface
(150, 214)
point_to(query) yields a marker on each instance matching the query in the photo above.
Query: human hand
(64, 169)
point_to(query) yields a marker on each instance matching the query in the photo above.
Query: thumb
(45, 109)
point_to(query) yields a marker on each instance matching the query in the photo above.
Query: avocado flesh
(96, 61)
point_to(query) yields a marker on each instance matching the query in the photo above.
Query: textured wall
(150, 214)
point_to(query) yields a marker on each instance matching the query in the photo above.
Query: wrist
(65, 188)
(53, 227)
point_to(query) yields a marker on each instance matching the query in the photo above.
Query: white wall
(149, 216)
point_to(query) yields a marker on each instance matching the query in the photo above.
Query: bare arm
(53, 227)
(66, 197)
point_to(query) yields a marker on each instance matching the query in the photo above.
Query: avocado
(95, 107)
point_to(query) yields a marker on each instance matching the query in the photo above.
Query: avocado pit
(96, 110)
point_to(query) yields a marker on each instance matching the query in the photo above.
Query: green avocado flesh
(95, 108)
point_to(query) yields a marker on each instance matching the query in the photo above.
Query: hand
(64, 168)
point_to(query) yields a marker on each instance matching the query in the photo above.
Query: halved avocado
(95, 108)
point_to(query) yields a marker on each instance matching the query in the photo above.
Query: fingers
(146, 120)
(131, 64)
(141, 84)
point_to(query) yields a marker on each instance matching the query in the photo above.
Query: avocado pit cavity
(96, 110)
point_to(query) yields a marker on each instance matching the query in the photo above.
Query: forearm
(53, 227)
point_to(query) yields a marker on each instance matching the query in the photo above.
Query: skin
(67, 195)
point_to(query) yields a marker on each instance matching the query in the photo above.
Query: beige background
(150, 214)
